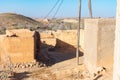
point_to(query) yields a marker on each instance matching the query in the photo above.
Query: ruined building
(96, 41)
(20, 45)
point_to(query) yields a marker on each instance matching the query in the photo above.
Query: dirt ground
(64, 68)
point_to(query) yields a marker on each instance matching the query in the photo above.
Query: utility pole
(78, 32)
(116, 70)
(90, 8)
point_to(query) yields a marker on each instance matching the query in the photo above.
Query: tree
(90, 8)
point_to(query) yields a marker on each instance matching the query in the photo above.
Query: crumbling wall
(65, 40)
(99, 42)
(68, 36)
(1, 46)
(20, 50)
(19, 45)
(47, 39)
(20, 32)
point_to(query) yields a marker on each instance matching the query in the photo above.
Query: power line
(59, 6)
(52, 9)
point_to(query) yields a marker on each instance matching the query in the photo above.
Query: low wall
(68, 39)
(46, 35)
(65, 39)
(48, 42)
(1, 46)
(20, 50)
(99, 42)
(20, 32)
(68, 36)
(18, 45)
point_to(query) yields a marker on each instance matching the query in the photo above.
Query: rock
(22, 66)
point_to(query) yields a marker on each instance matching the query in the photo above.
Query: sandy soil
(65, 68)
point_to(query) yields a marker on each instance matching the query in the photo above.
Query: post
(90, 8)
(116, 71)
(78, 33)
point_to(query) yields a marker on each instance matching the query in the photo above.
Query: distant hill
(16, 21)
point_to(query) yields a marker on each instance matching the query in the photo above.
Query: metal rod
(90, 8)
(78, 32)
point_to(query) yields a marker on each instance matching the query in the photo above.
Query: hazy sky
(69, 8)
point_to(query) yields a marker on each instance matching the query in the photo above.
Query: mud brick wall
(63, 39)
(70, 37)
(47, 39)
(20, 50)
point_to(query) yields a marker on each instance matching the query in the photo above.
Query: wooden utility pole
(78, 32)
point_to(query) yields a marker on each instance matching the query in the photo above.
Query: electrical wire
(59, 6)
(52, 9)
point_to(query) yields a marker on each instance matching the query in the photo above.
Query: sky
(69, 8)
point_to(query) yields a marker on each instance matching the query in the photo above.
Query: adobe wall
(47, 39)
(1, 46)
(20, 32)
(68, 36)
(20, 49)
(99, 42)
(48, 42)
(45, 35)
(106, 42)
(67, 39)
(63, 38)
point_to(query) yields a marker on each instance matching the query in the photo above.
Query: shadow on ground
(21, 76)
(62, 51)
(50, 55)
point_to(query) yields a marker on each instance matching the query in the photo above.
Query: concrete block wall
(99, 43)
(106, 37)
(116, 72)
